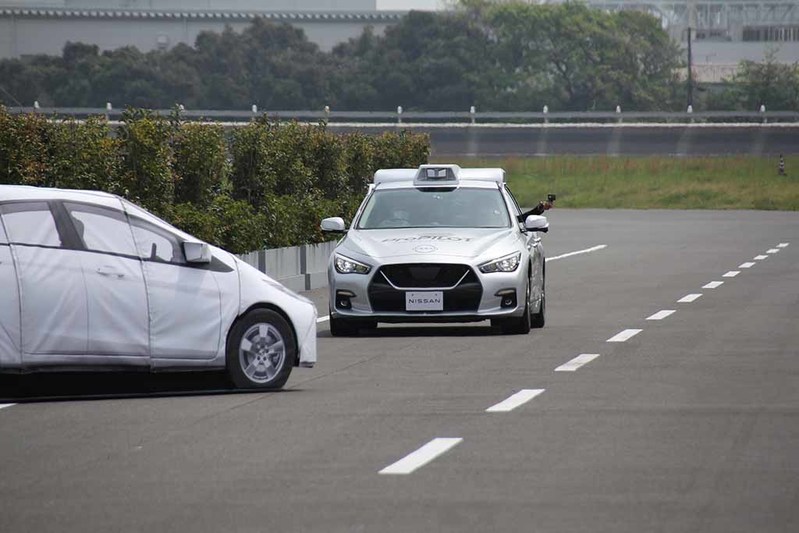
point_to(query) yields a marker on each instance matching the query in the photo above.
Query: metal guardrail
(456, 117)
(300, 268)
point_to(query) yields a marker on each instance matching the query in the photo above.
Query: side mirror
(536, 223)
(197, 252)
(333, 224)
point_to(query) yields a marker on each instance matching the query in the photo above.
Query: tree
(770, 83)
(431, 61)
(570, 56)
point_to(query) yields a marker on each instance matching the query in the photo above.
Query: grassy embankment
(740, 182)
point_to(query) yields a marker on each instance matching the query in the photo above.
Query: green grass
(739, 182)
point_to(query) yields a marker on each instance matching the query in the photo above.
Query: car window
(102, 229)
(435, 207)
(3, 239)
(156, 244)
(135, 211)
(513, 199)
(30, 223)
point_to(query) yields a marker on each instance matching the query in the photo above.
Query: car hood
(468, 243)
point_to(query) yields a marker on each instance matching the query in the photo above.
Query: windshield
(432, 208)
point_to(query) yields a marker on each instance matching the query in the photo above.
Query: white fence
(300, 268)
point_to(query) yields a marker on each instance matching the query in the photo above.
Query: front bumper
(469, 295)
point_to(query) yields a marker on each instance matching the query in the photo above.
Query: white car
(438, 244)
(90, 281)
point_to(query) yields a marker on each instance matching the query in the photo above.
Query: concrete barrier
(300, 268)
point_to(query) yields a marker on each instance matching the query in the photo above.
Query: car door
(10, 356)
(53, 308)
(184, 299)
(115, 289)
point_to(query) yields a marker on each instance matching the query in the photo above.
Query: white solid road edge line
(422, 456)
(713, 285)
(578, 252)
(783, 245)
(579, 361)
(625, 335)
(746, 265)
(514, 401)
(731, 274)
(4, 405)
(688, 298)
(323, 319)
(660, 315)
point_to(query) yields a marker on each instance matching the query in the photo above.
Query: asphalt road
(691, 424)
(627, 140)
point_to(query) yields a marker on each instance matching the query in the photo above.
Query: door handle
(110, 271)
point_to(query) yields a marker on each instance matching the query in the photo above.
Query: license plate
(424, 301)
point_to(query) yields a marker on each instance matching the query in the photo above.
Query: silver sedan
(438, 244)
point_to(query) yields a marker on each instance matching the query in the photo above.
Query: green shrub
(400, 150)
(288, 155)
(146, 170)
(283, 178)
(84, 155)
(24, 145)
(230, 224)
(200, 162)
(359, 157)
(250, 178)
(325, 157)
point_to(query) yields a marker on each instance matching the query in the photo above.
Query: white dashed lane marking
(746, 265)
(772, 251)
(713, 285)
(760, 257)
(688, 298)
(625, 335)
(578, 252)
(783, 245)
(660, 315)
(422, 456)
(514, 401)
(731, 274)
(577, 362)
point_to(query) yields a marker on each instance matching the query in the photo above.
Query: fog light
(343, 299)
(508, 298)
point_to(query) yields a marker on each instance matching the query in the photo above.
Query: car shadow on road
(437, 330)
(71, 386)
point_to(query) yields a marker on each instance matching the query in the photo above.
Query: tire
(261, 351)
(537, 320)
(521, 325)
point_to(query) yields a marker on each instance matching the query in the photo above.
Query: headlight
(509, 263)
(345, 265)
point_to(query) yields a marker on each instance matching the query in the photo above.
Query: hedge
(263, 185)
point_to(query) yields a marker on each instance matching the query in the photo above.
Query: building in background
(29, 27)
(723, 32)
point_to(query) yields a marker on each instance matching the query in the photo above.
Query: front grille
(428, 276)
(463, 297)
